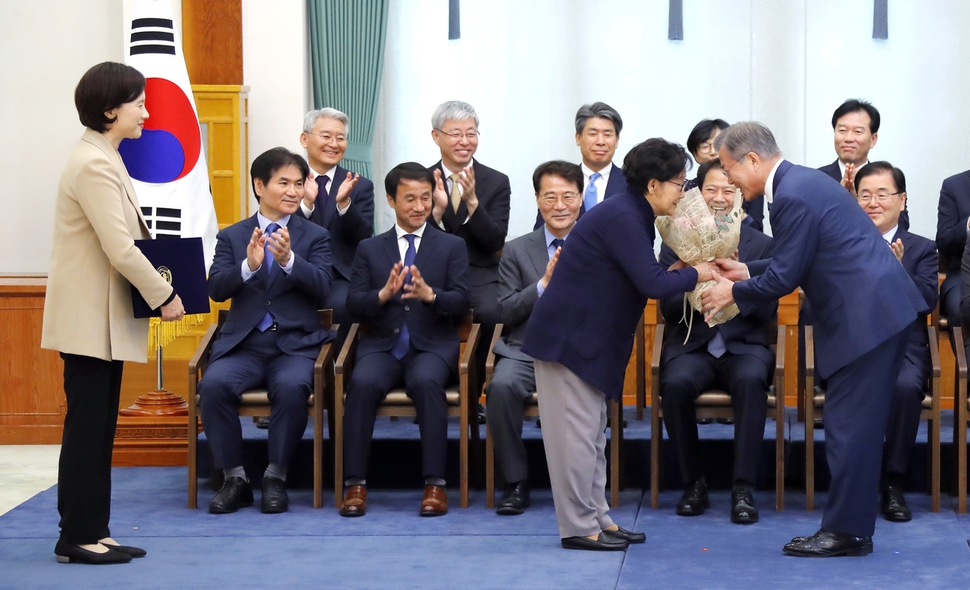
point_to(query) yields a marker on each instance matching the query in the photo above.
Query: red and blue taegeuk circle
(170, 144)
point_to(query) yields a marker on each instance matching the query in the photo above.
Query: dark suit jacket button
(407, 308)
(397, 331)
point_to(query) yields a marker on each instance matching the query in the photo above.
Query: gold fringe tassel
(163, 333)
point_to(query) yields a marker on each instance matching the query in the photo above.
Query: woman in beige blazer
(88, 313)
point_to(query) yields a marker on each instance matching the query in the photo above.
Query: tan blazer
(94, 259)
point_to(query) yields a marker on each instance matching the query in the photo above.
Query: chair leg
(318, 451)
(961, 443)
(489, 469)
(463, 458)
(616, 441)
(779, 455)
(193, 442)
(809, 452)
(338, 452)
(935, 459)
(656, 435)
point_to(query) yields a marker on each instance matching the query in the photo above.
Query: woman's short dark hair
(654, 159)
(106, 86)
(706, 167)
(702, 132)
(271, 161)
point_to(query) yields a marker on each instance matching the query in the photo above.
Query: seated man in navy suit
(409, 285)
(336, 199)
(953, 222)
(598, 127)
(735, 356)
(881, 190)
(856, 126)
(524, 272)
(275, 267)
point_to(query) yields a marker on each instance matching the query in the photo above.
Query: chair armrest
(490, 359)
(934, 351)
(959, 352)
(780, 349)
(809, 353)
(345, 360)
(323, 363)
(466, 360)
(200, 360)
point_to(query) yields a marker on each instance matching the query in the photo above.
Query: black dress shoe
(132, 551)
(262, 422)
(628, 536)
(694, 501)
(234, 494)
(274, 498)
(67, 553)
(515, 500)
(604, 542)
(828, 544)
(894, 506)
(743, 510)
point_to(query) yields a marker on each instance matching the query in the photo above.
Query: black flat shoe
(67, 553)
(743, 510)
(604, 542)
(629, 536)
(235, 493)
(515, 500)
(132, 551)
(828, 544)
(694, 501)
(274, 500)
(894, 506)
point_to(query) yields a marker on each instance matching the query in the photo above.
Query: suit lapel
(339, 174)
(429, 240)
(779, 174)
(390, 247)
(538, 252)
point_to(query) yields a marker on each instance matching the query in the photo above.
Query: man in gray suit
(524, 271)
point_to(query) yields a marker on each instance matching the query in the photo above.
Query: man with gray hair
(865, 307)
(336, 199)
(474, 206)
(598, 127)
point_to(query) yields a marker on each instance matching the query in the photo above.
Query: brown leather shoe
(435, 501)
(355, 501)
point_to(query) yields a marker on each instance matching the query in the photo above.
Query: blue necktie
(716, 345)
(589, 199)
(556, 243)
(268, 262)
(403, 343)
(323, 196)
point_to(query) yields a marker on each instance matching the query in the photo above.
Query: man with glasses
(524, 272)
(881, 190)
(865, 308)
(336, 199)
(475, 207)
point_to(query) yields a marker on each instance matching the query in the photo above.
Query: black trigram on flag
(152, 35)
(164, 222)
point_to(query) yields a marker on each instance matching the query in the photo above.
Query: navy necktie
(270, 265)
(323, 195)
(589, 198)
(403, 343)
(557, 243)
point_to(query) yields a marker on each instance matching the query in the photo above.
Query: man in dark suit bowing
(275, 267)
(409, 285)
(336, 199)
(598, 127)
(881, 190)
(865, 306)
(524, 273)
(735, 356)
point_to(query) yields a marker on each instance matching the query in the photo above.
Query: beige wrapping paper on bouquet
(696, 235)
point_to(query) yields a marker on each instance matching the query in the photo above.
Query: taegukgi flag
(167, 164)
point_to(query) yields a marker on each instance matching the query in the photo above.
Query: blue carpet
(392, 547)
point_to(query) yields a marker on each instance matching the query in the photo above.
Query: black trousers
(746, 379)
(93, 390)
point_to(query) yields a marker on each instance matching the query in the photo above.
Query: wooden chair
(397, 403)
(815, 403)
(256, 402)
(962, 415)
(717, 404)
(531, 410)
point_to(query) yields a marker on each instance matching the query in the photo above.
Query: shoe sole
(352, 513)
(433, 512)
(854, 552)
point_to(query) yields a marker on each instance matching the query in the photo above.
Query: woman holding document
(88, 313)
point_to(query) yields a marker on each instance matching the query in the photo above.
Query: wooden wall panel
(212, 41)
